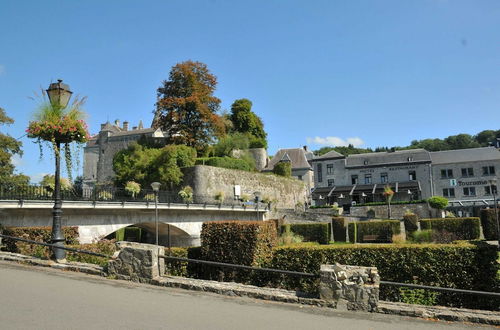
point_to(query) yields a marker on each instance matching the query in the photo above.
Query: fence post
(350, 287)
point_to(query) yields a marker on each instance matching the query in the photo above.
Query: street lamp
(59, 95)
(156, 189)
(257, 199)
(493, 188)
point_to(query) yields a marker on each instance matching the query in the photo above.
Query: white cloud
(36, 178)
(334, 141)
(2, 69)
(16, 160)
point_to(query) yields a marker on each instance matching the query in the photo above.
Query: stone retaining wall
(397, 211)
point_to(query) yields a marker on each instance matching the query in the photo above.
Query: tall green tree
(8, 148)
(246, 121)
(186, 107)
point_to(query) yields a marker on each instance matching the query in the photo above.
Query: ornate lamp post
(59, 95)
(156, 189)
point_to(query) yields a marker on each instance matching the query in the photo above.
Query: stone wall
(207, 181)
(299, 215)
(260, 157)
(137, 262)
(397, 211)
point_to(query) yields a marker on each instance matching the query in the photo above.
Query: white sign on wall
(453, 182)
(237, 190)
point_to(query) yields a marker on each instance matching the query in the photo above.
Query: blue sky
(376, 73)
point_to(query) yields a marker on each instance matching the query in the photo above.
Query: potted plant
(133, 188)
(388, 194)
(186, 194)
(219, 197)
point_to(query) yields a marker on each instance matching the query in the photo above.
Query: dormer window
(410, 159)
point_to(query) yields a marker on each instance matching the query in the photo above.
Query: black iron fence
(112, 194)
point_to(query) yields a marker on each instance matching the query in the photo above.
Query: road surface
(39, 298)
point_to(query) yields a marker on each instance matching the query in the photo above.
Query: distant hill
(452, 142)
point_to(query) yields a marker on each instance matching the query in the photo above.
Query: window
(368, 178)
(489, 189)
(320, 173)
(329, 168)
(446, 174)
(467, 172)
(299, 177)
(365, 162)
(470, 191)
(410, 159)
(330, 182)
(488, 170)
(384, 177)
(412, 175)
(354, 179)
(449, 192)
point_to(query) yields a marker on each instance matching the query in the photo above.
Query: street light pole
(59, 95)
(156, 189)
(493, 188)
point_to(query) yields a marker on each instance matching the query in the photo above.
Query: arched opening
(145, 232)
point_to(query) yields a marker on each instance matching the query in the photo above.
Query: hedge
(226, 162)
(384, 229)
(411, 222)
(236, 242)
(338, 226)
(489, 224)
(461, 228)
(39, 234)
(182, 268)
(106, 247)
(465, 266)
(310, 232)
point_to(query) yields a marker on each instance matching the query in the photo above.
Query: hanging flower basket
(64, 130)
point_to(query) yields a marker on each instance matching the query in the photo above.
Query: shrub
(411, 222)
(183, 268)
(465, 266)
(437, 202)
(384, 229)
(421, 236)
(289, 237)
(283, 169)
(310, 232)
(39, 234)
(219, 196)
(338, 225)
(133, 188)
(107, 247)
(186, 194)
(237, 242)
(463, 228)
(489, 224)
(226, 162)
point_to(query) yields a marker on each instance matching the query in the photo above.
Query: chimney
(125, 125)
(117, 123)
(140, 125)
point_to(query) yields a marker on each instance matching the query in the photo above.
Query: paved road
(37, 298)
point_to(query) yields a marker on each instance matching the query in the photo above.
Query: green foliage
(186, 108)
(186, 193)
(9, 146)
(106, 247)
(182, 268)
(219, 196)
(462, 228)
(38, 234)
(489, 223)
(237, 242)
(464, 266)
(346, 151)
(245, 121)
(283, 169)
(288, 237)
(418, 296)
(133, 188)
(384, 229)
(310, 232)
(421, 236)
(339, 230)
(411, 222)
(230, 142)
(145, 165)
(48, 182)
(226, 162)
(438, 202)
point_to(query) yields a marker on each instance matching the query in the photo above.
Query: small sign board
(237, 190)
(453, 182)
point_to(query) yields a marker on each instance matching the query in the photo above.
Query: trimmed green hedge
(226, 162)
(489, 224)
(181, 268)
(283, 169)
(107, 247)
(338, 226)
(39, 234)
(462, 228)
(464, 266)
(411, 222)
(236, 242)
(310, 232)
(384, 229)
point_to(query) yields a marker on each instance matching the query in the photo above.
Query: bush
(310, 232)
(463, 228)
(107, 247)
(437, 202)
(411, 222)
(183, 268)
(186, 193)
(39, 234)
(489, 224)
(421, 236)
(237, 242)
(226, 162)
(283, 169)
(465, 266)
(338, 225)
(384, 229)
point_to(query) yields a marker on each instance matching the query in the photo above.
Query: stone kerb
(350, 287)
(137, 262)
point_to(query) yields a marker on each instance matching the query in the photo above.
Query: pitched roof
(387, 158)
(329, 154)
(296, 156)
(465, 155)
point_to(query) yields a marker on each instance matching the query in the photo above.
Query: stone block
(350, 287)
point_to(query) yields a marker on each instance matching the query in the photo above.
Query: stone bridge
(96, 220)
